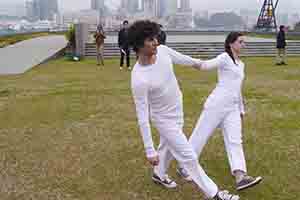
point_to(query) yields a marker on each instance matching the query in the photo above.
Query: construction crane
(267, 17)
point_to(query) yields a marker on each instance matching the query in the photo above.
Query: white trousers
(229, 120)
(174, 144)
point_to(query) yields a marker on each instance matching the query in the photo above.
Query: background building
(162, 8)
(150, 8)
(41, 10)
(171, 7)
(97, 4)
(184, 15)
(30, 14)
(48, 9)
(133, 6)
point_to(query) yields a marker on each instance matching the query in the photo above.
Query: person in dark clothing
(124, 45)
(162, 36)
(281, 44)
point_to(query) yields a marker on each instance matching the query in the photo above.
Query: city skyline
(41, 9)
(214, 5)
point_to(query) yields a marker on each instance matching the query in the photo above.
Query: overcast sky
(213, 5)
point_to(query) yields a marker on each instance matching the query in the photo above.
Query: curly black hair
(139, 31)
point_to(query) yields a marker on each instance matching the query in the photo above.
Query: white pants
(229, 120)
(174, 144)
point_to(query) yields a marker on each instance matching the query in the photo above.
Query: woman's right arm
(140, 95)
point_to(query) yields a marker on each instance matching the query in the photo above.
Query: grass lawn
(273, 36)
(69, 132)
(12, 39)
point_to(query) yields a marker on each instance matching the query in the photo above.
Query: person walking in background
(99, 37)
(162, 36)
(157, 96)
(224, 108)
(124, 46)
(281, 44)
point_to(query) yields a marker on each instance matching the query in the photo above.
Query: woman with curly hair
(157, 96)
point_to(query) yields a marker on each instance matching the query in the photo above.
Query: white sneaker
(184, 174)
(121, 68)
(165, 181)
(225, 195)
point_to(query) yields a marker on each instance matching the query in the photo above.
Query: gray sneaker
(184, 174)
(225, 195)
(247, 182)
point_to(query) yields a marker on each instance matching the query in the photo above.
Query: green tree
(70, 35)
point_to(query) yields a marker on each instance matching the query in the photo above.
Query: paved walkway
(22, 56)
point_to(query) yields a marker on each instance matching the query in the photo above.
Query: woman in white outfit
(224, 108)
(157, 96)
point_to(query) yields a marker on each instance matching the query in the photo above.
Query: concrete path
(22, 56)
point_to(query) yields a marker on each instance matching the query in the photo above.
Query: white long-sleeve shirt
(230, 80)
(156, 92)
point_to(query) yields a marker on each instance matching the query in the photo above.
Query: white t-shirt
(156, 92)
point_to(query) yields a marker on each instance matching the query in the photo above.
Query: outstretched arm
(210, 64)
(181, 59)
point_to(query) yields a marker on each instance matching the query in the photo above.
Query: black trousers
(127, 54)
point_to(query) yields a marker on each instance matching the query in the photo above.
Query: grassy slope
(68, 131)
(12, 39)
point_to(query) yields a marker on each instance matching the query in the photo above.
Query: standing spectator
(162, 36)
(99, 37)
(281, 44)
(124, 45)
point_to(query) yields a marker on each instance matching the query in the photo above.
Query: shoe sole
(257, 181)
(159, 182)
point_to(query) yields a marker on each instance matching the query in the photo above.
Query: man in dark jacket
(162, 36)
(124, 45)
(281, 44)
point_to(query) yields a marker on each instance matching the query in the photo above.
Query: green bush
(70, 35)
(12, 39)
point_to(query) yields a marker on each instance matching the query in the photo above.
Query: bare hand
(153, 160)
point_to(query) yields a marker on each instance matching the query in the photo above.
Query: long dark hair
(231, 38)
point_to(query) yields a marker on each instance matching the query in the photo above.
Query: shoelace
(249, 178)
(167, 179)
(225, 195)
